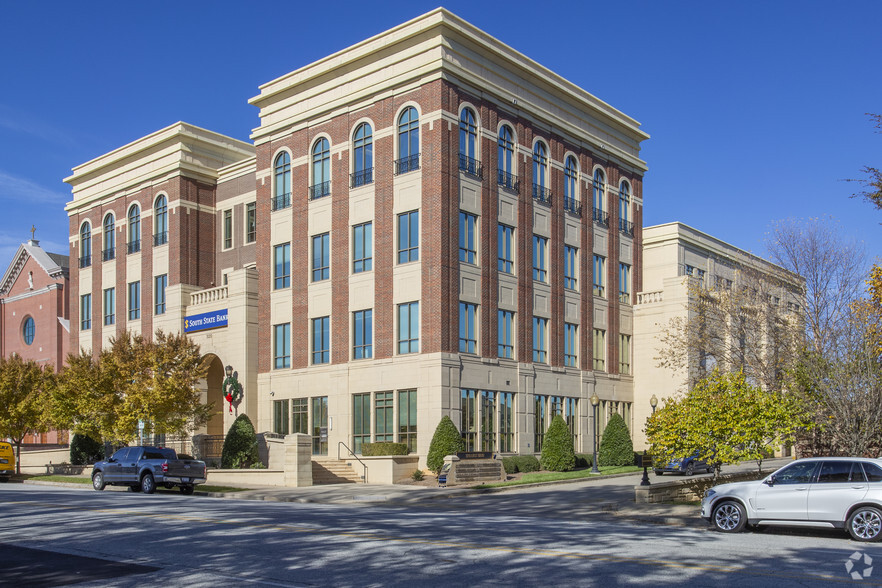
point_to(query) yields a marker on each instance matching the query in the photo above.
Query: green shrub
(240, 445)
(417, 476)
(584, 460)
(446, 441)
(384, 448)
(616, 448)
(557, 448)
(84, 450)
(510, 464)
(527, 463)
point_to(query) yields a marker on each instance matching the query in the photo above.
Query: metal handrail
(352, 453)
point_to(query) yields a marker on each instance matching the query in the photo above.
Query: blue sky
(756, 110)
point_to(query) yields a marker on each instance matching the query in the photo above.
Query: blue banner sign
(206, 320)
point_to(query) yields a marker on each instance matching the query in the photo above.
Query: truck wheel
(98, 481)
(148, 485)
(690, 469)
(187, 490)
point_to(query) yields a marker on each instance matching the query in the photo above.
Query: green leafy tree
(616, 447)
(725, 419)
(557, 447)
(85, 450)
(25, 396)
(240, 445)
(446, 441)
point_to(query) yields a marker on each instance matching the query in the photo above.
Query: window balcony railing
(624, 297)
(160, 238)
(601, 218)
(626, 227)
(471, 167)
(320, 190)
(573, 206)
(134, 246)
(407, 164)
(541, 194)
(86, 261)
(508, 182)
(281, 201)
(108, 254)
(361, 178)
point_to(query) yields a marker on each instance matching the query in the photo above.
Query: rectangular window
(409, 328)
(407, 418)
(384, 423)
(469, 418)
(506, 421)
(362, 248)
(506, 249)
(321, 340)
(282, 346)
(488, 420)
(282, 266)
(228, 229)
(408, 237)
(571, 343)
(599, 350)
(134, 300)
(361, 421)
(467, 338)
(109, 306)
(624, 283)
(540, 336)
(571, 406)
(300, 414)
(251, 222)
(280, 417)
(599, 275)
(468, 251)
(539, 421)
(363, 329)
(159, 285)
(625, 354)
(85, 312)
(570, 267)
(506, 334)
(321, 257)
(540, 265)
(320, 425)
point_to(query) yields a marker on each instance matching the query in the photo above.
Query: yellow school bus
(7, 461)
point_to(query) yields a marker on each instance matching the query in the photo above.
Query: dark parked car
(687, 466)
(143, 468)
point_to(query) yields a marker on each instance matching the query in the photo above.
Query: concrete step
(333, 471)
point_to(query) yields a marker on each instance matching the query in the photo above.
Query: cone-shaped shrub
(240, 445)
(616, 448)
(557, 447)
(85, 450)
(445, 441)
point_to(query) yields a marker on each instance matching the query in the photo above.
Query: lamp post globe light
(653, 402)
(594, 402)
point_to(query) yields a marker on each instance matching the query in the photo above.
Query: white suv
(838, 492)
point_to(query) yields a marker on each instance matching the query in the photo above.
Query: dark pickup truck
(143, 468)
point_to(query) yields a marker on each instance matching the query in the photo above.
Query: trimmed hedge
(240, 445)
(510, 464)
(616, 447)
(446, 441)
(584, 460)
(557, 448)
(383, 448)
(527, 463)
(84, 450)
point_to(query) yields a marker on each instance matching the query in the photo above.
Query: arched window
(321, 169)
(282, 192)
(468, 137)
(540, 173)
(27, 330)
(363, 156)
(109, 251)
(408, 141)
(505, 172)
(624, 201)
(85, 245)
(160, 221)
(571, 193)
(134, 229)
(598, 190)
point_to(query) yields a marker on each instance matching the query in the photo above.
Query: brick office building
(428, 223)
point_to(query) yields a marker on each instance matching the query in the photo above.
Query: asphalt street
(201, 541)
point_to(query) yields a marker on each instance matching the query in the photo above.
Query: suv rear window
(874, 472)
(837, 471)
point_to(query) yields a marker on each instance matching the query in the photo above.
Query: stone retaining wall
(689, 489)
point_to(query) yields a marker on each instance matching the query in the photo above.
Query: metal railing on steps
(352, 453)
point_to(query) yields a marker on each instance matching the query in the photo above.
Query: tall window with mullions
(506, 156)
(300, 415)
(280, 417)
(407, 418)
(384, 423)
(488, 420)
(363, 155)
(506, 421)
(469, 418)
(540, 421)
(361, 421)
(408, 140)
